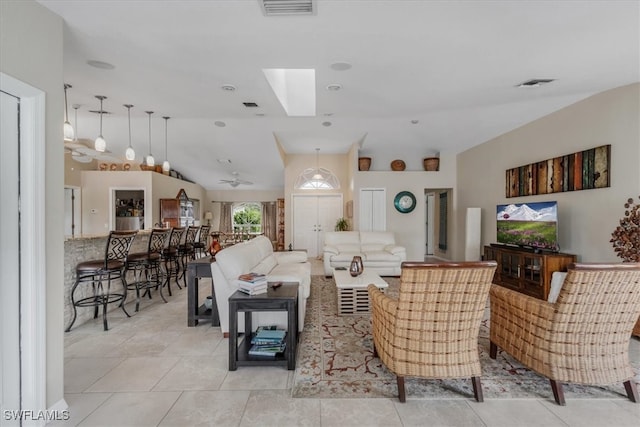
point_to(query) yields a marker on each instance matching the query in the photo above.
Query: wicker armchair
(431, 330)
(581, 338)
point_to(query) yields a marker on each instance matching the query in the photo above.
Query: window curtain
(226, 209)
(269, 220)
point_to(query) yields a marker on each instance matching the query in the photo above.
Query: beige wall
(31, 51)
(97, 200)
(586, 218)
(73, 170)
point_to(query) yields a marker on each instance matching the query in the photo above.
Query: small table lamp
(208, 216)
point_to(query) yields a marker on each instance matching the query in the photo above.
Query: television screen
(532, 225)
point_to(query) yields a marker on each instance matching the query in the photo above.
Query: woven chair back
(192, 231)
(157, 239)
(175, 236)
(118, 246)
(440, 307)
(204, 233)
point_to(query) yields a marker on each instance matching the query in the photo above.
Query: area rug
(335, 360)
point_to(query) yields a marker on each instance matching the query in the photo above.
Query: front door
(312, 216)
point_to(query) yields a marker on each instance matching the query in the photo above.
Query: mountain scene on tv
(534, 225)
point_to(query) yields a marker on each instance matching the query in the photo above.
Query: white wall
(31, 51)
(586, 218)
(409, 229)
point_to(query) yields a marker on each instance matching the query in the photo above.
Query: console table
(283, 298)
(196, 270)
(526, 271)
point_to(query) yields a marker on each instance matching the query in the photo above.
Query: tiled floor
(152, 370)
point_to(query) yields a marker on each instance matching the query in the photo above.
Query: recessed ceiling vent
(535, 82)
(250, 104)
(287, 7)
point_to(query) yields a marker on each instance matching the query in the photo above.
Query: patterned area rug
(335, 360)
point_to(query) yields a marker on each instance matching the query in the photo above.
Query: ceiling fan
(235, 181)
(82, 152)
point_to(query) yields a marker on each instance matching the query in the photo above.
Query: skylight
(295, 89)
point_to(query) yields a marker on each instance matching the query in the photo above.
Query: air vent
(287, 7)
(535, 82)
(250, 104)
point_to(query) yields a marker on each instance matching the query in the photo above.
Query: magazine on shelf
(268, 336)
(269, 351)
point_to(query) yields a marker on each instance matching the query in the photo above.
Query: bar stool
(100, 271)
(170, 258)
(149, 263)
(186, 251)
(203, 238)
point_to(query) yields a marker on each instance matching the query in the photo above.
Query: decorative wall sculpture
(583, 170)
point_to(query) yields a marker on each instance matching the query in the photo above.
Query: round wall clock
(405, 202)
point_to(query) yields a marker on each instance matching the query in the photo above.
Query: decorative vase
(356, 268)
(398, 165)
(431, 163)
(364, 163)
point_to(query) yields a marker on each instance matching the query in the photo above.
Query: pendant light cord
(66, 105)
(149, 113)
(166, 152)
(100, 116)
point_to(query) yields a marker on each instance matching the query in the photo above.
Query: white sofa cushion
(290, 256)
(380, 256)
(381, 238)
(348, 247)
(557, 279)
(257, 255)
(335, 238)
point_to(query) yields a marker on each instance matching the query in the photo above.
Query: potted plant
(342, 224)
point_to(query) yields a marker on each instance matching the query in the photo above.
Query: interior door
(373, 209)
(10, 361)
(312, 216)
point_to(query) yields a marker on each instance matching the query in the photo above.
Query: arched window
(317, 179)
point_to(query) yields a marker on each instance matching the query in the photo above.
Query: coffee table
(353, 297)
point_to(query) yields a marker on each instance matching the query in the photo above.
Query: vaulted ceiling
(450, 66)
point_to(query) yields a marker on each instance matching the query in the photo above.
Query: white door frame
(32, 317)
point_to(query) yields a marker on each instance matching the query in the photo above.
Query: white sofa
(378, 250)
(256, 255)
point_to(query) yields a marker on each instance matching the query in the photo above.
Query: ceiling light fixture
(69, 134)
(340, 66)
(228, 88)
(130, 153)
(334, 87)
(75, 120)
(100, 64)
(166, 167)
(100, 144)
(317, 176)
(326, 124)
(149, 159)
(219, 123)
(415, 122)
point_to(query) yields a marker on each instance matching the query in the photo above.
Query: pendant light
(318, 176)
(75, 120)
(149, 160)
(69, 133)
(166, 167)
(130, 154)
(100, 145)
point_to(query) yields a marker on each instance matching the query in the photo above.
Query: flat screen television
(531, 225)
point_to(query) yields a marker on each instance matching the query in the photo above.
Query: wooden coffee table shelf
(353, 297)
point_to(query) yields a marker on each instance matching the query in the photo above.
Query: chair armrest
(394, 249)
(385, 307)
(331, 250)
(520, 322)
